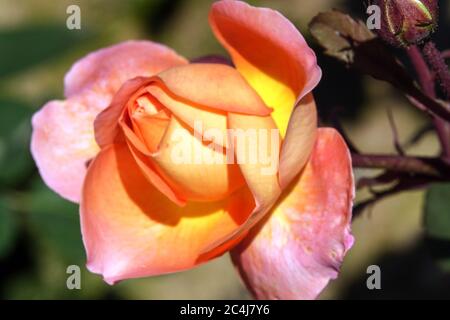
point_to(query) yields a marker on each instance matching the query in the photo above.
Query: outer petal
(105, 70)
(269, 52)
(62, 145)
(63, 134)
(300, 247)
(131, 230)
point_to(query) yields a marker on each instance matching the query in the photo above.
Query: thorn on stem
(437, 62)
(397, 144)
(417, 136)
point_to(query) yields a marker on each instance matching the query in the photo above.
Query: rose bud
(407, 22)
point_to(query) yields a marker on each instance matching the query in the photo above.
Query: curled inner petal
(179, 132)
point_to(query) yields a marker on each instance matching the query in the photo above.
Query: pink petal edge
(296, 251)
(63, 142)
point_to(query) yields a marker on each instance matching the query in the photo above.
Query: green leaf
(8, 228)
(437, 223)
(437, 211)
(15, 130)
(29, 45)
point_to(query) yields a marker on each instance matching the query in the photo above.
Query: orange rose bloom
(151, 147)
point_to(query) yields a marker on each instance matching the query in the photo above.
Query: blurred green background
(39, 232)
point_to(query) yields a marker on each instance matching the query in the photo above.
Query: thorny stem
(394, 130)
(407, 171)
(426, 80)
(437, 62)
(401, 164)
(397, 164)
(403, 172)
(418, 135)
(411, 172)
(401, 185)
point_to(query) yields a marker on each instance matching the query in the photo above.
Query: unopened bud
(407, 22)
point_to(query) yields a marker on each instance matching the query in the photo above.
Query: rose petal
(178, 181)
(216, 86)
(63, 134)
(62, 145)
(269, 52)
(107, 122)
(195, 169)
(300, 247)
(116, 116)
(199, 119)
(299, 140)
(131, 230)
(105, 70)
(150, 171)
(151, 130)
(258, 158)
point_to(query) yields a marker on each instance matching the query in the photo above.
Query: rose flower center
(169, 146)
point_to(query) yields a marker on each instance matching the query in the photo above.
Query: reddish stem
(437, 62)
(426, 81)
(412, 165)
